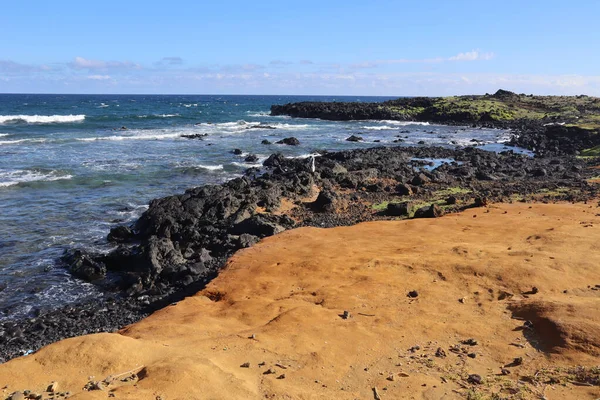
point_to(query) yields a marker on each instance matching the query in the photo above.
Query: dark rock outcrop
(291, 141)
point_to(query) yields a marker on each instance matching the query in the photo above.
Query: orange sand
(289, 291)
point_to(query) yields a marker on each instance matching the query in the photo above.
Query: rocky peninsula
(544, 124)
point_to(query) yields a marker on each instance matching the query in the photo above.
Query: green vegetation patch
(591, 152)
(452, 191)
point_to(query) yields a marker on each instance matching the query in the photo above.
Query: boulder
(404, 190)
(291, 141)
(84, 266)
(326, 201)
(420, 179)
(263, 225)
(120, 234)
(432, 211)
(398, 209)
(354, 138)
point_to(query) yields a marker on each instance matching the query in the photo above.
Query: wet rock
(84, 266)
(265, 141)
(354, 138)
(251, 158)
(120, 234)
(291, 141)
(237, 152)
(198, 136)
(261, 126)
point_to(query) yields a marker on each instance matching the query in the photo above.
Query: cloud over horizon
(298, 77)
(84, 63)
(474, 55)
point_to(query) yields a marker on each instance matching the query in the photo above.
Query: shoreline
(441, 307)
(347, 187)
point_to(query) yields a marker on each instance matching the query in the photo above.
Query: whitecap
(14, 177)
(209, 167)
(41, 119)
(135, 135)
(258, 114)
(17, 141)
(402, 123)
(243, 165)
(379, 128)
(4, 134)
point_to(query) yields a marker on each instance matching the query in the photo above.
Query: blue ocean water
(69, 170)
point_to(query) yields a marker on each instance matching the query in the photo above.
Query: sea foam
(14, 177)
(41, 119)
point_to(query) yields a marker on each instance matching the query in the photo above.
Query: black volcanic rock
(354, 138)
(291, 141)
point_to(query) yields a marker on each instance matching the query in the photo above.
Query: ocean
(73, 166)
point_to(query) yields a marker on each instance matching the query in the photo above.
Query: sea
(73, 166)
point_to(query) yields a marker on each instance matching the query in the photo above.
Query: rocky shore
(544, 124)
(498, 302)
(181, 242)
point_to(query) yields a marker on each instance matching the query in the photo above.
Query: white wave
(244, 165)
(136, 135)
(4, 134)
(102, 105)
(41, 119)
(402, 123)
(158, 115)
(379, 128)
(17, 141)
(190, 105)
(210, 167)
(258, 114)
(11, 178)
(291, 127)
(303, 156)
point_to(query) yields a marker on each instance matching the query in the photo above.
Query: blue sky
(333, 47)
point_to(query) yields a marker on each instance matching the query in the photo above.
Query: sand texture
(279, 306)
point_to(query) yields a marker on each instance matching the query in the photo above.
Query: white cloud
(280, 63)
(474, 55)
(167, 61)
(84, 63)
(99, 77)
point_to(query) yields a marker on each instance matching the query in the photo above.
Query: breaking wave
(41, 119)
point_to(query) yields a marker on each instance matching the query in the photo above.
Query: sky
(325, 47)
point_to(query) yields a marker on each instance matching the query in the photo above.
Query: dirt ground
(496, 302)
